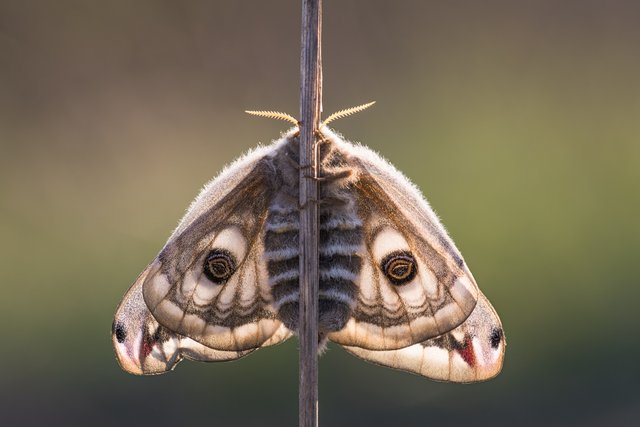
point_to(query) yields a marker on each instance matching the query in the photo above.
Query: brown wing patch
(233, 314)
(391, 315)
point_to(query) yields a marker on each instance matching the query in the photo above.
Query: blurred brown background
(519, 120)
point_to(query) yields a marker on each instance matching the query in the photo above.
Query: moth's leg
(320, 143)
(296, 165)
(331, 177)
(320, 139)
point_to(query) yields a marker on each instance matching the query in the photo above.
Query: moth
(393, 288)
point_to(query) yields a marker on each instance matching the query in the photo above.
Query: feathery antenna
(347, 112)
(289, 118)
(275, 115)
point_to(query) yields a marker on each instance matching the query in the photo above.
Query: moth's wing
(143, 346)
(474, 351)
(229, 216)
(396, 217)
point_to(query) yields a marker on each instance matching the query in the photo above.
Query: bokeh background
(519, 120)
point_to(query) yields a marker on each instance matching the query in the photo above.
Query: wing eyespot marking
(399, 267)
(219, 265)
(120, 332)
(496, 338)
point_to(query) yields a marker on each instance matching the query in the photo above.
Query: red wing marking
(466, 351)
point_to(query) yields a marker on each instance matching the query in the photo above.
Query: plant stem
(310, 109)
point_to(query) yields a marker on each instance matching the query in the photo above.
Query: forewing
(396, 218)
(234, 314)
(474, 351)
(143, 346)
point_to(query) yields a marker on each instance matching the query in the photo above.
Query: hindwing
(474, 351)
(143, 346)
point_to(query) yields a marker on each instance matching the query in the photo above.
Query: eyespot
(496, 337)
(120, 332)
(400, 267)
(219, 266)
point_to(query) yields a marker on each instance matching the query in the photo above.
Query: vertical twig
(310, 106)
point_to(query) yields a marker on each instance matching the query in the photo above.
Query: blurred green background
(519, 120)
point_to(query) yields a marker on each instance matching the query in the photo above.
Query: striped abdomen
(340, 241)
